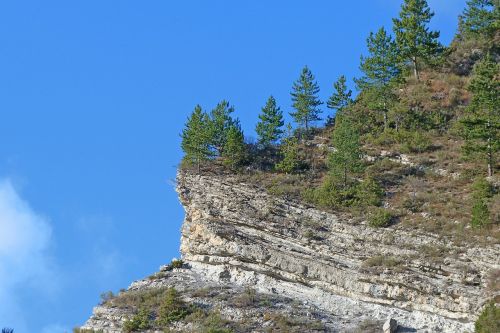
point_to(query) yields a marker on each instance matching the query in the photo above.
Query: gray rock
(390, 326)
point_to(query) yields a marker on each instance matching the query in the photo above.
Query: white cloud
(25, 264)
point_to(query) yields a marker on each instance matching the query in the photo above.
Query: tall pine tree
(380, 73)
(416, 43)
(269, 128)
(234, 148)
(480, 17)
(305, 99)
(340, 99)
(220, 123)
(346, 159)
(482, 121)
(196, 138)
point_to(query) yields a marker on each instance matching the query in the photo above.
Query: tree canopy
(270, 125)
(305, 99)
(415, 42)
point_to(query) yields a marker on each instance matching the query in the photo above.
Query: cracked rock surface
(317, 265)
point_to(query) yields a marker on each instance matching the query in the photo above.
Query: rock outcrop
(237, 236)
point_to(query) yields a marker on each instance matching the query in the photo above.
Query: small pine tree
(480, 214)
(172, 308)
(220, 123)
(269, 128)
(480, 17)
(415, 42)
(196, 138)
(482, 191)
(305, 99)
(346, 159)
(289, 150)
(380, 73)
(481, 125)
(340, 99)
(234, 148)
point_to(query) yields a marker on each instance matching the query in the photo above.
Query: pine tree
(346, 159)
(289, 150)
(196, 138)
(305, 99)
(234, 148)
(340, 99)
(269, 128)
(415, 42)
(482, 122)
(220, 123)
(480, 17)
(380, 72)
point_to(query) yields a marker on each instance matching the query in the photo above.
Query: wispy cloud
(25, 264)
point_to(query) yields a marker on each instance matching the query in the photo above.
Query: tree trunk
(415, 68)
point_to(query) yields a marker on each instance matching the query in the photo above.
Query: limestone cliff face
(236, 232)
(313, 264)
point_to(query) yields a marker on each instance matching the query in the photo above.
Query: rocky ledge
(326, 267)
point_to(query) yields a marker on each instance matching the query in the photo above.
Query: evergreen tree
(480, 17)
(480, 214)
(482, 122)
(269, 127)
(219, 125)
(346, 159)
(341, 97)
(380, 73)
(305, 99)
(234, 148)
(196, 138)
(289, 150)
(415, 42)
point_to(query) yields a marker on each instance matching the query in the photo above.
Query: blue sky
(93, 96)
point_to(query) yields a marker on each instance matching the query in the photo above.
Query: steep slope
(311, 264)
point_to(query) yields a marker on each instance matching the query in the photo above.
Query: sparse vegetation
(489, 320)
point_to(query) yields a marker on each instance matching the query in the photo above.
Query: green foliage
(269, 128)
(480, 17)
(341, 97)
(305, 99)
(220, 124)
(289, 150)
(489, 320)
(234, 152)
(379, 218)
(331, 194)
(346, 159)
(481, 125)
(369, 192)
(480, 214)
(209, 322)
(380, 73)
(196, 138)
(482, 191)
(141, 321)
(172, 308)
(176, 263)
(415, 142)
(415, 42)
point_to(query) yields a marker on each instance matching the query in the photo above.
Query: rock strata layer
(237, 236)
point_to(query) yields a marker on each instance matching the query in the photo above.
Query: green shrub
(177, 263)
(141, 321)
(209, 322)
(480, 214)
(416, 142)
(172, 308)
(413, 204)
(379, 218)
(369, 193)
(489, 320)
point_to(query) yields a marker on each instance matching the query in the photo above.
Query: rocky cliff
(335, 272)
